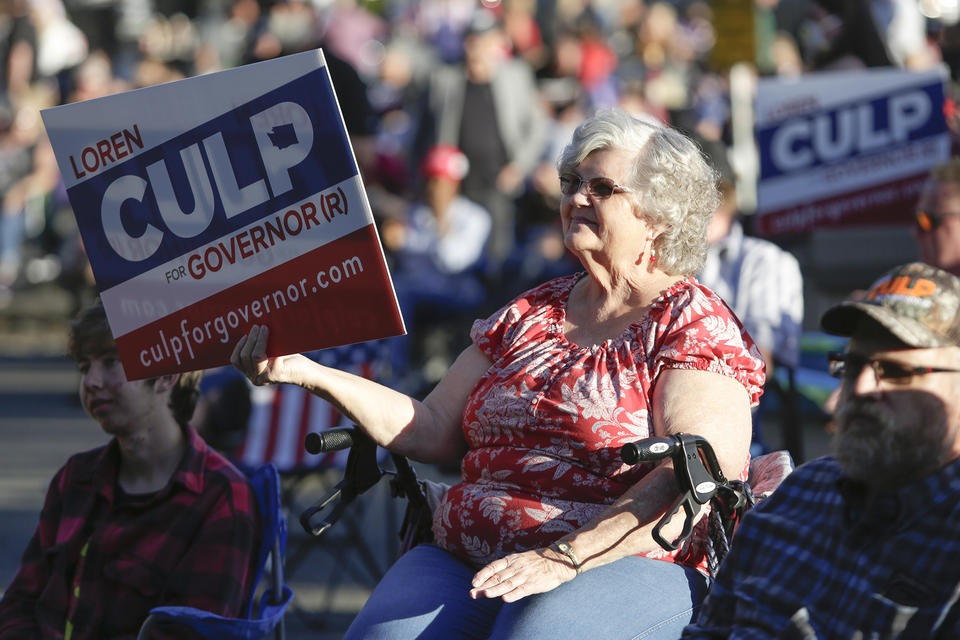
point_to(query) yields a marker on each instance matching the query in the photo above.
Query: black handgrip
(329, 440)
(648, 449)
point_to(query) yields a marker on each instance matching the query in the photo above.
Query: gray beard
(875, 448)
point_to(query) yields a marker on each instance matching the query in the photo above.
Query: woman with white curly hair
(549, 533)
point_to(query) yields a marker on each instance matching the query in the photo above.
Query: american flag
(282, 415)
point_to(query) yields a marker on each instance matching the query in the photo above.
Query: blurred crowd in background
(453, 106)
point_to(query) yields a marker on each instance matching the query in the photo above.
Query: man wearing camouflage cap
(864, 543)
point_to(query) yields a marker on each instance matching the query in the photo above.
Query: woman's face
(610, 229)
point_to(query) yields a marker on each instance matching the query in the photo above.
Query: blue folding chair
(261, 618)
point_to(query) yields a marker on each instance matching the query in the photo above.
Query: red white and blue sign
(221, 201)
(846, 148)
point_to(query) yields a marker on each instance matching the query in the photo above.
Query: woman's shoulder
(694, 309)
(691, 298)
(532, 312)
(693, 328)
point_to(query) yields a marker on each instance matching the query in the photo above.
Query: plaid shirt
(99, 560)
(814, 561)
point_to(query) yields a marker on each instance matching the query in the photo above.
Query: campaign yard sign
(846, 148)
(213, 203)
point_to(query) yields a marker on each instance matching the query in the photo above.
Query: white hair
(675, 187)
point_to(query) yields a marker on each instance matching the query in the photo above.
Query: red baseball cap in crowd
(445, 161)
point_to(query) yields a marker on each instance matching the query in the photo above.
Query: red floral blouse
(546, 422)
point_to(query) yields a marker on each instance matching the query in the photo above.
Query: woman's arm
(427, 431)
(710, 405)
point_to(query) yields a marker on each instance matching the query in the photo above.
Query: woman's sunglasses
(600, 188)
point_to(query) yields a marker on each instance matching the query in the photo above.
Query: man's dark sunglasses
(600, 188)
(848, 366)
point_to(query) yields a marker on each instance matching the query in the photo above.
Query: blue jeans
(425, 595)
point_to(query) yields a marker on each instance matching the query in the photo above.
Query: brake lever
(328, 522)
(691, 509)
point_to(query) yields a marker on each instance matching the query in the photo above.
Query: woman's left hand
(522, 574)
